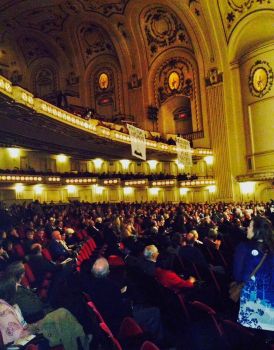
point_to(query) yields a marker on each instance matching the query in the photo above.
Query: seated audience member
(58, 327)
(13, 236)
(28, 241)
(4, 258)
(58, 247)
(213, 239)
(191, 253)
(30, 305)
(170, 279)
(195, 235)
(106, 294)
(39, 265)
(50, 227)
(40, 237)
(147, 263)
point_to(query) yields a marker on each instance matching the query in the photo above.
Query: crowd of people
(163, 251)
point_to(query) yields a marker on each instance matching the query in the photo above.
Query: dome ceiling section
(163, 30)
(94, 41)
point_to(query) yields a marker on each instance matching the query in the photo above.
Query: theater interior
(75, 73)
(194, 80)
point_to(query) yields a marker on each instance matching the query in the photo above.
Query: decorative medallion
(173, 80)
(103, 81)
(260, 78)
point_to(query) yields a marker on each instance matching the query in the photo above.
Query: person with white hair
(106, 294)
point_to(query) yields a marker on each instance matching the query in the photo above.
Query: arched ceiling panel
(161, 30)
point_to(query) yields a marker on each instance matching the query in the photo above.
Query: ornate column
(219, 136)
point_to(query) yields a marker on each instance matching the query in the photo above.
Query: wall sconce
(71, 189)
(152, 164)
(128, 190)
(209, 160)
(98, 162)
(99, 189)
(183, 191)
(154, 191)
(14, 152)
(38, 189)
(61, 158)
(125, 163)
(211, 189)
(19, 188)
(247, 187)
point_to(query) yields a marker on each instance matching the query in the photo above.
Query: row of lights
(20, 178)
(136, 182)
(121, 136)
(5, 85)
(59, 113)
(163, 183)
(111, 182)
(197, 182)
(81, 180)
(54, 179)
(246, 188)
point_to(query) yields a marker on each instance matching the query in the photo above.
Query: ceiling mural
(162, 29)
(233, 11)
(94, 42)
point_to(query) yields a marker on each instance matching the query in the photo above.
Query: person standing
(257, 296)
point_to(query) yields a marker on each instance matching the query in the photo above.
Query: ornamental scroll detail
(163, 29)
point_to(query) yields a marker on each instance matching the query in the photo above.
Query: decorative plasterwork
(162, 29)
(213, 77)
(260, 78)
(32, 48)
(233, 11)
(183, 86)
(44, 19)
(94, 42)
(104, 7)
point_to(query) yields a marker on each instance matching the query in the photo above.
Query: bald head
(56, 235)
(100, 268)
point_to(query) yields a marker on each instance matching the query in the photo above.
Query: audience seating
(148, 345)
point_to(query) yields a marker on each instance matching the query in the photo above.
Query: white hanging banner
(138, 142)
(184, 152)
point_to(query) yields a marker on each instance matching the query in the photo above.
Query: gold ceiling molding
(233, 11)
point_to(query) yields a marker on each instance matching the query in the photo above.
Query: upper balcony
(30, 122)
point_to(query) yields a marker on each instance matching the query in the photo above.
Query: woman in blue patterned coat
(257, 296)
